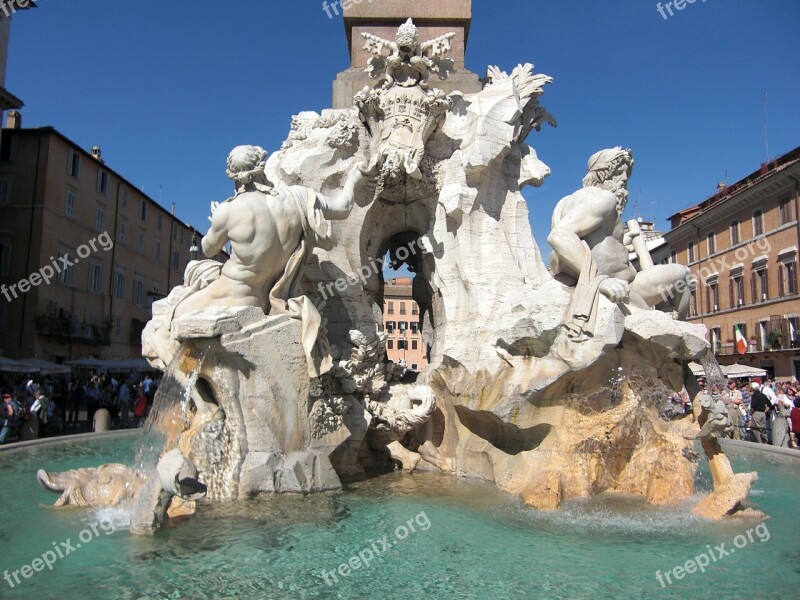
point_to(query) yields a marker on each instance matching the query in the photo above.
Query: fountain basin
(450, 538)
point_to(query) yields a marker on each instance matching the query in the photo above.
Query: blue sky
(167, 88)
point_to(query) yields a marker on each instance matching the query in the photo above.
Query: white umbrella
(697, 369)
(12, 366)
(739, 371)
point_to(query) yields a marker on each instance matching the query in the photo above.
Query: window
(712, 299)
(95, 278)
(174, 232)
(734, 233)
(102, 182)
(124, 197)
(690, 251)
(402, 325)
(5, 190)
(5, 258)
(716, 333)
(123, 231)
(763, 281)
(402, 345)
(143, 210)
(158, 250)
(785, 209)
(390, 309)
(413, 344)
(390, 345)
(74, 164)
(794, 334)
(99, 218)
(414, 308)
(118, 325)
(138, 291)
(692, 304)
(762, 334)
(140, 243)
(736, 291)
(158, 222)
(67, 274)
(787, 279)
(414, 366)
(758, 222)
(402, 308)
(156, 287)
(414, 327)
(8, 145)
(711, 243)
(390, 326)
(119, 284)
(69, 206)
(673, 257)
(175, 259)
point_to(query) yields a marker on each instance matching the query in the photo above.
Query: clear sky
(168, 88)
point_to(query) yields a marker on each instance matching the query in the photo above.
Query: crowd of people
(50, 406)
(762, 411)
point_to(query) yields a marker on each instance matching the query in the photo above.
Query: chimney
(97, 153)
(14, 120)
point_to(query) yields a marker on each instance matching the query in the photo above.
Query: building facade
(741, 245)
(401, 320)
(83, 252)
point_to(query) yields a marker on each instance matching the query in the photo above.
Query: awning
(739, 371)
(86, 363)
(47, 367)
(730, 371)
(127, 365)
(12, 366)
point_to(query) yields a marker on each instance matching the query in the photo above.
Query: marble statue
(589, 246)
(276, 374)
(107, 485)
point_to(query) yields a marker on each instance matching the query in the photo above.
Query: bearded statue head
(610, 170)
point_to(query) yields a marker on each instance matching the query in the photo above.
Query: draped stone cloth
(286, 297)
(583, 309)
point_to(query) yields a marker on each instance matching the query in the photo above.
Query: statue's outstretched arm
(214, 241)
(339, 206)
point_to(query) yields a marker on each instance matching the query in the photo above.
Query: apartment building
(741, 244)
(401, 321)
(113, 250)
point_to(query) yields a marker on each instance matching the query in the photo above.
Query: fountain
(275, 361)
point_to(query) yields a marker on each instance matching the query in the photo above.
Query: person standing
(124, 403)
(794, 417)
(7, 416)
(780, 420)
(92, 394)
(733, 400)
(759, 407)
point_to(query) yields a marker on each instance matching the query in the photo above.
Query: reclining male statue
(589, 246)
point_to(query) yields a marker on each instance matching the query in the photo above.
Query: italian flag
(741, 343)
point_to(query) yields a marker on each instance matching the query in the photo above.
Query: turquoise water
(469, 541)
